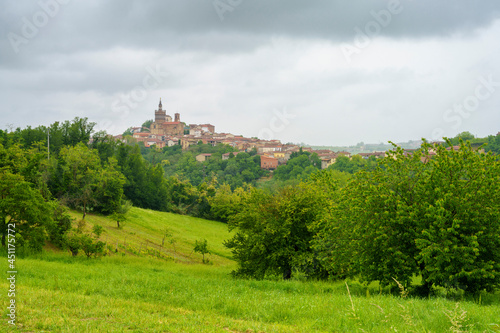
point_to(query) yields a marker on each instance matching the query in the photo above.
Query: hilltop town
(166, 131)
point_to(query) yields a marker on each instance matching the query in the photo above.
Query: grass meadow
(145, 287)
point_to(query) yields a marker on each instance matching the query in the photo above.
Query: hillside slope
(142, 234)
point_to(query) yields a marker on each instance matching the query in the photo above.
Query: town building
(199, 130)
(203, 157)
(268, 163)
(163, 124)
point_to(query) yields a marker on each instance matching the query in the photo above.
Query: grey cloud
(184, 26)
(97, 50)
(174, 25)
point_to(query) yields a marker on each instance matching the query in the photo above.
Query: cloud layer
(344, 71)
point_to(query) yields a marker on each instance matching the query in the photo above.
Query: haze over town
(319, 72)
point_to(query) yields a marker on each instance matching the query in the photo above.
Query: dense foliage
(432, 213)
(274, 230)
(490, 144)
(237, 170)
(354, 164)
(300, 166)
(436, 216)
(38, 180)
(25, 210)
(80, 180)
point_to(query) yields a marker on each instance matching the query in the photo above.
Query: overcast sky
(322, 72)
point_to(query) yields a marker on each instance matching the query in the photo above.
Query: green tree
(79, 167)
(108, 185)
(493, 144)
(13, 158)
(78, 131)
(120, 215)
(436, 216)
(226, 203)
(89, 243)
(351, 165)
(128, 132)
(146, 124)
(62, 223)
(73, 243)
(201, 246)
(24, 210)
(465, 136)
(300, 166)
(91, 246)
(81, 180)
(182, 195)
(105, 144)
(68, 133)
(273, 232)
(168, 234)
(145, 184)
(31, 136)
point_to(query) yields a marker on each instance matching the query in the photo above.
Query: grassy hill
(143, 232)
(138, 290)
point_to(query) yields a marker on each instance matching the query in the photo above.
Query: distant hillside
(370, 147)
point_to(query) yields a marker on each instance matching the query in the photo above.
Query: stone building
(199, 130)
(269, 163)
(163, 124)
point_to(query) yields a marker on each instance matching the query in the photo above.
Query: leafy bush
(90, 244)
(434, 213)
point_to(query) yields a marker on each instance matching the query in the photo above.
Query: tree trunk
(287, 272)
(74, 252)
(425, 288)
(4, 233)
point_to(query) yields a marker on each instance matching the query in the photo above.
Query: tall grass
(60, 293)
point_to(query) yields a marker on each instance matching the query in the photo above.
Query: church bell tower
(160, 114)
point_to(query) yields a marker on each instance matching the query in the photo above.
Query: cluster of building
(163, 132)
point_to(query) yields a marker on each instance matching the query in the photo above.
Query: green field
(146, 287)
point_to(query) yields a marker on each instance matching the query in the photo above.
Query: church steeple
(160, 114)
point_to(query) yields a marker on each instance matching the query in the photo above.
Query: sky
(320, 72)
